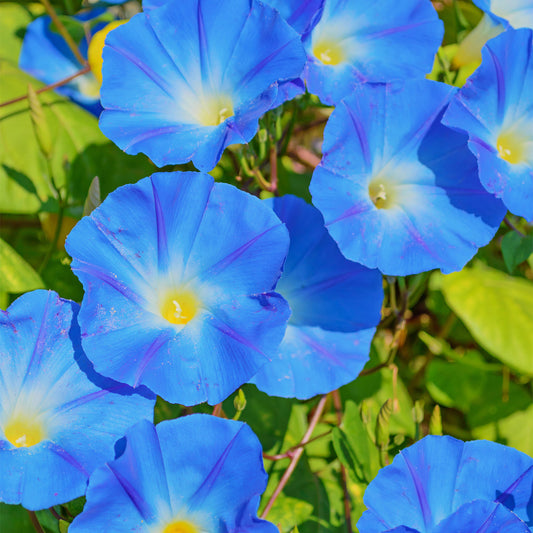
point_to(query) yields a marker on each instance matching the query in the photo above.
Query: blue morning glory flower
(495, 108)
(517, 13)
(190, 475)
(370, 40)
(178, 272)
(335, 308)
(441, 484)
(56, 422)
(185, 80)
(46, 56)
(398, 190)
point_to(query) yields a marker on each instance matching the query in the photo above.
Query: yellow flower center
(24, 431)
(511, 147)
(381, 194)
(329, 52)
(180, 306)
(215, 109)
(181, 526)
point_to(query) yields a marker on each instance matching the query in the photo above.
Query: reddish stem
(59, 83)
(296, 457)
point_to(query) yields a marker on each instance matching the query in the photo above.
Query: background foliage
(452, 354)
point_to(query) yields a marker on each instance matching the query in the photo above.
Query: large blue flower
(495, 108)
(177, 272)
(191, 77)
(398, 190)
(191, 475)
(370, 40)
(441, 484)
(46, 56)
(335, 308)
(56, 422)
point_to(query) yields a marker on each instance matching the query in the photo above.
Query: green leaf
(435, 422)
(516, 249)
(16, 275)
(377, 388)
(94, 198)
(382, 424)
(475, 388)
(74, 28)
(13, 20)
(496, 309)
(354, 447)
(81, 151)
(515, 431)
(38, 121)
(14, 518)
(289, 512)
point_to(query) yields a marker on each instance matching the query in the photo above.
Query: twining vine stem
(59, 83)
(63, 31)
(347, 500)
(296, 457)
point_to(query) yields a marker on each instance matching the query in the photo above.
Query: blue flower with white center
(196, 474)
(398, 190)
(46, 56)
(57, 423)
(178, 272)
(495, 108)
(185, 80)
(441, 484)
(370, 40)
(335, 306)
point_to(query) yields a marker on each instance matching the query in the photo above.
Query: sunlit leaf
(496, 309)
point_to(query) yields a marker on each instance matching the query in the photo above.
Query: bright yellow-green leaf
(515, 431)
(80, 150)
(13, 20)
(497, 309)
(16, 275)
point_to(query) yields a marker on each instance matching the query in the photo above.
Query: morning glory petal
(178, 273)
(335, 307)
(354, 39)
(189, 98)
(399, 191)
(438, 476)
(314, 361)
(56, 424)
(518, 13)
(198, 471)
(495, 109)
(480, 516)
(301, 15)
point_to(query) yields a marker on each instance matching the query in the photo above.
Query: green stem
(57, 231)
(445, 67)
